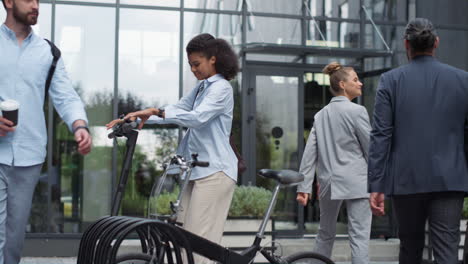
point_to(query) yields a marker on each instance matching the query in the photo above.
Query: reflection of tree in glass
(264, 150)
(168, 139)
(99, 107)
(139, 182)
(66, 162)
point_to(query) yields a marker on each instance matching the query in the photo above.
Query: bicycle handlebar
(200, 163)
(121, 129)
(179, 160)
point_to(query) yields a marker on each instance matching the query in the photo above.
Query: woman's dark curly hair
(226, 63)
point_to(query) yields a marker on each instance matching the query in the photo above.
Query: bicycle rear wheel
(134, 258)
(308, 257)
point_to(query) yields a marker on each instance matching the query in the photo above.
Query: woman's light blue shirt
(209, 119)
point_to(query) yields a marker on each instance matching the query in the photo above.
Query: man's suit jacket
(417, 139)
(337, 147)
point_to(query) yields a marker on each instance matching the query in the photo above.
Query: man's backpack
(56, 54)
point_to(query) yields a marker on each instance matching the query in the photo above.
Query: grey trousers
(443, 212)
(17, 186)
(205, 206)
(359, 224)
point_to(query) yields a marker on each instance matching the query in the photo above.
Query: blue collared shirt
(23, 73)
(209, 119)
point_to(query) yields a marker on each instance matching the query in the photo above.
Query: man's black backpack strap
(56, 54)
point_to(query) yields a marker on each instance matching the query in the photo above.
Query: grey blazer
(337, 147)
(418, 129)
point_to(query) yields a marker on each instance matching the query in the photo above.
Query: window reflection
(287, 31)
(333, 34)
(82, 191)
(93, 1)
(149, 56)
(387, 9)
(334, 8)
(171, 3)
(276, 132)
(148, 77)
(214, 4)
(392, 35)
(276, 6)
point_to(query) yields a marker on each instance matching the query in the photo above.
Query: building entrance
(279, 104)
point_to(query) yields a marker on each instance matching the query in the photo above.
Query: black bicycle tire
(132, 256)
(308, 255)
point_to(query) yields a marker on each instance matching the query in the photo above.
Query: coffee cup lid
(9, 105)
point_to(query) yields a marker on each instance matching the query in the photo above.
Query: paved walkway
(73, 261)
(48, 261)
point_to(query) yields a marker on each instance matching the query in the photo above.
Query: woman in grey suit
(337, 149)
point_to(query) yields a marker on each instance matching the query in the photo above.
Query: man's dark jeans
(443, 212)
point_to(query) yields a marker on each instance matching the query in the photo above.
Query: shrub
(162, 202)
(465, 209)
(249, 201)
(134, 205)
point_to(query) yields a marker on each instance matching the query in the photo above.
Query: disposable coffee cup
(10, 110)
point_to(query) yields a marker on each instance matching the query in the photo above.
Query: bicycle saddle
(282, 176)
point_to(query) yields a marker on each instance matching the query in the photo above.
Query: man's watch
(80, 127)
(161, 111)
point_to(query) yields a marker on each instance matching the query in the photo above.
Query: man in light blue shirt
(24, 65)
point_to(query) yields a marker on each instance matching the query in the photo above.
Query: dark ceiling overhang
(299, 50)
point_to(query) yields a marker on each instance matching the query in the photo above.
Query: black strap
(56, 54)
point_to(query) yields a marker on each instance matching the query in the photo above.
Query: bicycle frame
(219, 253)
(203, 246)
(185, 169)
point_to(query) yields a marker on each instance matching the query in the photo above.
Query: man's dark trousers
(443, 212)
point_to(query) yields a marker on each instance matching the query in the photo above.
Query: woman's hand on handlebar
(114, 122)
(142, 114)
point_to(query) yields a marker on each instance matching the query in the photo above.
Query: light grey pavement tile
(48, 261)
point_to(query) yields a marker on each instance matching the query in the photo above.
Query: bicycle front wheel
(308, 257)
(134, 258)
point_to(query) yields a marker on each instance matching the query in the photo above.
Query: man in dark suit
(417, 147)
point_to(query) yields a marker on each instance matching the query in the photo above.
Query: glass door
(275, 126)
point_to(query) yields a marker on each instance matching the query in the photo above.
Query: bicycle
(162, 240)
(212, 250)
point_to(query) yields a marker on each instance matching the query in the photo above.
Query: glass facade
(123, 55)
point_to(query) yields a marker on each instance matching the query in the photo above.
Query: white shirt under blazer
(337, 149)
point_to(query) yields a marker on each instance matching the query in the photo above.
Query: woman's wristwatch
(161, 112)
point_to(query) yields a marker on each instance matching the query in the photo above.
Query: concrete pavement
(73, 261)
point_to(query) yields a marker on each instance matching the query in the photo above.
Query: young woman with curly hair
(207, 110)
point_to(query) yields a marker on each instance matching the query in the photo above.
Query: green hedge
(465, 209)
(247, 201)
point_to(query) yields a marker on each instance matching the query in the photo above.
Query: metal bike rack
(102, 239)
